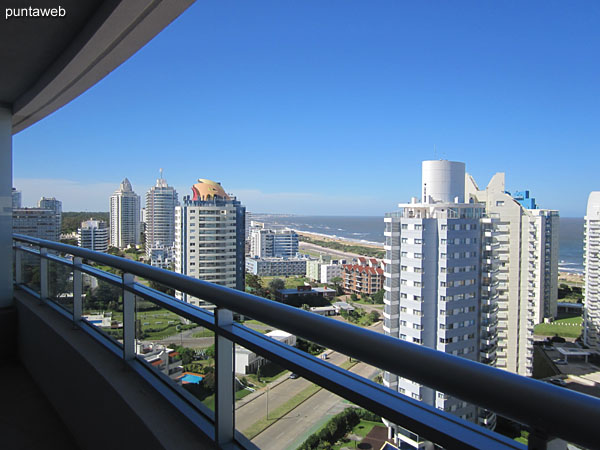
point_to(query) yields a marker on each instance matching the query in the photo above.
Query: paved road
(291, 430)
(251, 412)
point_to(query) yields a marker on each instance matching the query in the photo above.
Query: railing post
(77, 290)
(224, 405)
(128, 318)
(18, 265)
(43, 274)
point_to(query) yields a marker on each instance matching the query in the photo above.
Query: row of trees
(337, 427)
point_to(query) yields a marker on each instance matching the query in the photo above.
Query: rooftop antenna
(161, 171)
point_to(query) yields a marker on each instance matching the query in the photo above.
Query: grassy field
(569, 327)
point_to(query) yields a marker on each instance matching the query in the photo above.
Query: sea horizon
(369, 230)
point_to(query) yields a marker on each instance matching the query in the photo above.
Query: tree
(276, 284)
(374, 316)
(377, 297)
(337, 284)
(354, 297)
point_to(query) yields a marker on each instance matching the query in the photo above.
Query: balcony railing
(548, 410)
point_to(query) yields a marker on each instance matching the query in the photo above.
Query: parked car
(293, 376)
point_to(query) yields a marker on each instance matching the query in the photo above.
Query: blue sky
(329, 107)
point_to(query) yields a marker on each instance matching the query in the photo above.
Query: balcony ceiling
(47, 62)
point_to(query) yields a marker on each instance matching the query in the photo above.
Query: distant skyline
(329, 108)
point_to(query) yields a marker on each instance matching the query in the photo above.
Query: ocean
(369, 229)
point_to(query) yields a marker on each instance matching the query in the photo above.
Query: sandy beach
(340, 240)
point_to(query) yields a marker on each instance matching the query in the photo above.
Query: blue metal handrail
(548, 409)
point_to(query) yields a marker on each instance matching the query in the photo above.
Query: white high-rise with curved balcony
(592, 273)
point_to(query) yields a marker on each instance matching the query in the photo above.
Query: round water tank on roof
(443, 181)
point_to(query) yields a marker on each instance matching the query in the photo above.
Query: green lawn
(569, 327)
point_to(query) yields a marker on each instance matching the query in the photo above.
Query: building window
(418, 241)
(444, 227)
(418, 226)
(404, 240)
(418, 255)
(405, 226)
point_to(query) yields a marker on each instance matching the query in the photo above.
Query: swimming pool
(191, 378)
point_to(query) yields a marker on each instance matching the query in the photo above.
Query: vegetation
(348, 248)
(309, 347)
(567, 328)
(570, 294)
(349, 420)
(360, 317)
(71, 221)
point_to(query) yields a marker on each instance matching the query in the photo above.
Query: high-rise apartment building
(520, 257)
(36, 222)
(93, 234)
(272, 243)
(124, 216)
(591, 310)
(56, 206)
(468, 272)
(432, 279)
(209, 237)
(161, 201)
(16, 199)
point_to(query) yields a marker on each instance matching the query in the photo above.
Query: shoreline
(570, 276)
(338, 239)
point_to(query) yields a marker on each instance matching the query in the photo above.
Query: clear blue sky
(328, 107)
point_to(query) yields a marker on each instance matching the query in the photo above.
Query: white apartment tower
(56, 207)
(272, 243)
(124, 216)
(591, 311)
(432, 280)
(520, 260)
(93, 234)
(209, 237)
(161, 201)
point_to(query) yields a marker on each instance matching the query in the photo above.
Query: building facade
(54, 205)
(93, 234)
(124, 216)
(330, 271)
(209, 237)
(468, 272)
(365, 277)
(16, 199)
(282, 267)
(161, 201)
(272, 243)
(432, 286)
(36, 222)
(591, 308)
(520, 256)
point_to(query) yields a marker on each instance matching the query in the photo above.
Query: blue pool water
(189, 378)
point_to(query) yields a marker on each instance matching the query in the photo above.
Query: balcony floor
(27, 419)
